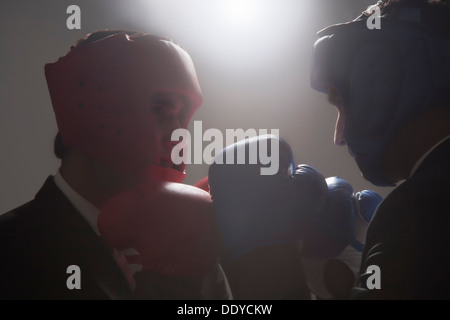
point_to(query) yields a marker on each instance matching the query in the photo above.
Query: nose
(172, 124)
(170, 144)
(339, 139)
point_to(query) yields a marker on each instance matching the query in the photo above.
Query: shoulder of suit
(34, 216)
(417, 203)
(17, 216)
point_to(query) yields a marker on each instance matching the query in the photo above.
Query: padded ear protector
(375, 85)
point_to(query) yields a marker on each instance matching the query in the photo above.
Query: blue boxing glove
(367, 202)
(260, 217)
(332, 229)
(254, 209)
(332, 271)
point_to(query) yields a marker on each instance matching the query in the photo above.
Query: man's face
(170, 111)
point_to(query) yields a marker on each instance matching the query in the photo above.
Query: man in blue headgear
(391, 85)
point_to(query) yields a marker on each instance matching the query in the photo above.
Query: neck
(415, 140)
(93, 180)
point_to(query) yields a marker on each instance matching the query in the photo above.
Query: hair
(435, 13)
(59, 148)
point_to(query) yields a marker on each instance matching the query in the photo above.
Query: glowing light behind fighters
(232, 34)
(242, 12)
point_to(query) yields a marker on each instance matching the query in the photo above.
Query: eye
(334, 98)
(180, 113)
(157, 109)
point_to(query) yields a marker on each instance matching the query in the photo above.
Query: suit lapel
(79, 245)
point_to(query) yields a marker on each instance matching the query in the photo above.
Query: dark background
(252, 59)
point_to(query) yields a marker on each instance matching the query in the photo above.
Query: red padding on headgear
(101, 94)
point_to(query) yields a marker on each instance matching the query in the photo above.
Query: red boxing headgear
(101, 93)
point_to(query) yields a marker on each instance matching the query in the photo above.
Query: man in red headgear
(117, 98)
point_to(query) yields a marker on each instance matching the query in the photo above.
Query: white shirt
(91, 213)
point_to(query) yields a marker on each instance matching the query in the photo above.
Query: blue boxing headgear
(385, 78)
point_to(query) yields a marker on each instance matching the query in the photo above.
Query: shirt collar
(87, 210)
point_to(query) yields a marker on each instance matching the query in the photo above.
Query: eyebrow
(163, 100)
(163, 103)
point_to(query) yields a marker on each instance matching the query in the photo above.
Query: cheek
(154, 134)
(159, 126)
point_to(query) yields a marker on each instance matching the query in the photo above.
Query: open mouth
(166, 170)
(169, 164)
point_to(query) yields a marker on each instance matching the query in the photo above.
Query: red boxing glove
(169, 224)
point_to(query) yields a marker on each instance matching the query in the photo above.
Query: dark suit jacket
(41, 239)
(409, 237)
